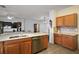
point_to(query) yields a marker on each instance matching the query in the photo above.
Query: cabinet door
(58, 38)
(70, 20)
(11, 48)
(42, 42)
(69, 42)
(1, 47)
(59, 21)
(26, 47)
(45, 41)
(1, 27)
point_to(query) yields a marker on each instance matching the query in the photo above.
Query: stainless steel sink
(14, 37)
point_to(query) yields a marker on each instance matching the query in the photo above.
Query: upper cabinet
(70, 20)
(67, 21)
(59, 21)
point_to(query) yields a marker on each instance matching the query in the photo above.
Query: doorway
(36, 28)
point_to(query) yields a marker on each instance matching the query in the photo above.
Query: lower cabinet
(67, 41)
(25, 47)
(44, 41)
(11, 47)
(19, 46)
(58, 38)
(1, 47)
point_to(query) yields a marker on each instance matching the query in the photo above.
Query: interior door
(36, 27)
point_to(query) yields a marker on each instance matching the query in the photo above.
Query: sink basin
(14, 37)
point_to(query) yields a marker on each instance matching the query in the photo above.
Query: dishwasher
(36, 44)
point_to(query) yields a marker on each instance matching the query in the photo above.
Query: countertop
(19, 35)
(67, 33)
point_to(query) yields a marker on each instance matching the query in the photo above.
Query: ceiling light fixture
(9, 17)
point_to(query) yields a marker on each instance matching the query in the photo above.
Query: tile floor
(56, 49)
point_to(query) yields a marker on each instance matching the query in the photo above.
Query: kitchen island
(21, 43)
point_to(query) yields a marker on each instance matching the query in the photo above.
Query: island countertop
(19, 35)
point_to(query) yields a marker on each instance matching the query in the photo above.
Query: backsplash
(69, 30)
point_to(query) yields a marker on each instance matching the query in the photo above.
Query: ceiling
(29, 11)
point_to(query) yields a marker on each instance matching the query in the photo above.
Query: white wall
(70, 10)
(29, 25)
(44, 24)
(52, 16)
(43, 27)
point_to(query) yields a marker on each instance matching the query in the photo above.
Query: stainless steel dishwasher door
(35, 44)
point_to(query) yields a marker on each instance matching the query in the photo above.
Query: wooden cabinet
(70, 20)
(18, 46)
(58, 38)
(66, 41)
(1, 47)
(26, 46)
(69, 42)
(67, 21)
(44, 41)
(11, 47)
(59, 21)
